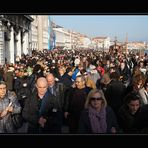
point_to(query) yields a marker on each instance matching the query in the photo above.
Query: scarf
(98, 120)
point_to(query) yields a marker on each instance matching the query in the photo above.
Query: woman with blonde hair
(97, 117)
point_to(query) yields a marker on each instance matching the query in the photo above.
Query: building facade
(102, 42)
(60, 37)
(39, 31)
(34, 33)
(15, 37)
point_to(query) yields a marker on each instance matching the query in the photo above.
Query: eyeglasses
(93, 98)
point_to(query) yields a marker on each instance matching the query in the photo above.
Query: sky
(135, 26)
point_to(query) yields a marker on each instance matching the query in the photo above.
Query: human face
(139, 84)
(41, 88)
(79, 83)
(134, 106)
(2, 90)
(62, 71)
(141, 64)
(122, 65)
(96, 101)
(51, 80)
(112, 70)
(108, 62)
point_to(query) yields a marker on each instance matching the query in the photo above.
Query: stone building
(39, 31)
(15, 37)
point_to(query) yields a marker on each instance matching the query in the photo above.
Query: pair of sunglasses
(93, 98)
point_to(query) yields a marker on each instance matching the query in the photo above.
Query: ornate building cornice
(29, 18)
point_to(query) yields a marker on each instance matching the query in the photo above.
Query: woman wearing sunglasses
(97, 117)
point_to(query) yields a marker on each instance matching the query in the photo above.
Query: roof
(100, 37)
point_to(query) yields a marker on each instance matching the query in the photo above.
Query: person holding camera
(9, 107)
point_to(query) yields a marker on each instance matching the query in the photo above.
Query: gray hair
(3, 82)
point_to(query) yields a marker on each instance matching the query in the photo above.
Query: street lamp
(103, 49)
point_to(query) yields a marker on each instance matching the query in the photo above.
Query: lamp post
(115, 43)
(103, 49)
(126, 42)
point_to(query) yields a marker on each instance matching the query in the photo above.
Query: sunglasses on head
(98, 98)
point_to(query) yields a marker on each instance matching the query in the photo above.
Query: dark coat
(22, 89)
(126, 120)
(9, 79)
(75, 99)
(141, 120)
(125, 73)
(52, 110)
(114, 94)
(36, 108)
(66, 80)
(85, 125)
(74, 105)
(31, 112)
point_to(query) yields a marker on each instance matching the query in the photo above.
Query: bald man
(33, 111)
(41, 86)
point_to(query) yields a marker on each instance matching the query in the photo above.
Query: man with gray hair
(55, 114)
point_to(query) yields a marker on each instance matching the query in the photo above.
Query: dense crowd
(87, 91)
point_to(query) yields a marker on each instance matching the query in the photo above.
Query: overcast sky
(136, 26)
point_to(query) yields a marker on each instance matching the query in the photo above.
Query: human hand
(42, 121)
(3, 113)
(9, 109)
(66, 114)
(113, 130)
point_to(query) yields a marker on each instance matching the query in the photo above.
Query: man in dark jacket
(55, 114)
(128, 113)
(21, 87)
(32, 112)
(66, 79)
(75, 101)
(115, 92)
(141, 120)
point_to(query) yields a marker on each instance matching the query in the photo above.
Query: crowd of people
(87, 91)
